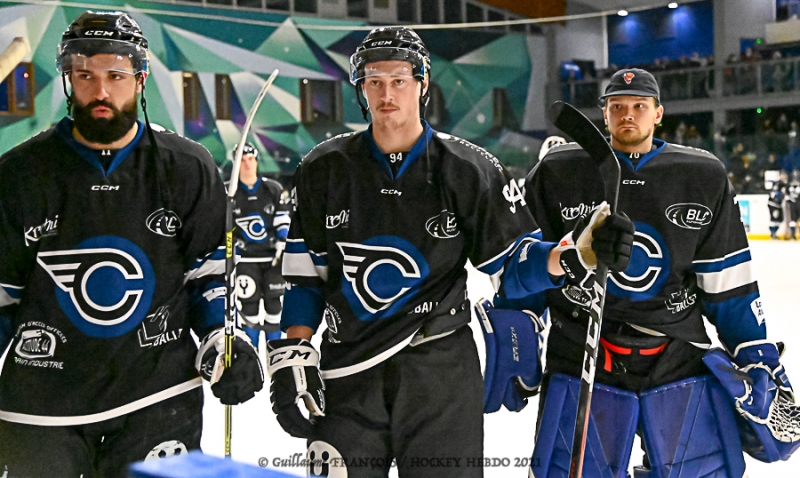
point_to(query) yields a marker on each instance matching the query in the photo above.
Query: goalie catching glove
(238, 383)
(603, 237)
(294, 367)
(762, 396)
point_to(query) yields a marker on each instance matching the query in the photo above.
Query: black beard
(104, 130)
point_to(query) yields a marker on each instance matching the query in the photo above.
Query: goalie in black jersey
(110, 235)
(690, 260)
(262, 224)
(383, 225)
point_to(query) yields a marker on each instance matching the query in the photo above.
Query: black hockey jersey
(262, 218)
(382, 255)
(103, 272)
(690, 256)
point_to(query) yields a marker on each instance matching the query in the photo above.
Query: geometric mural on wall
(466, 65)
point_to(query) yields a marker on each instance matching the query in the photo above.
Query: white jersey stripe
(726, 279)
(48, 421)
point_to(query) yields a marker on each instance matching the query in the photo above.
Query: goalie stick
(230, 265)
(572, 122)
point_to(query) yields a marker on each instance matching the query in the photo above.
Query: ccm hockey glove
(294, 368)
(603, 237)
(238, 383)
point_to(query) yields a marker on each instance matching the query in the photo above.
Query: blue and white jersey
(262, 217)
(379, 252)
(104, 271)
(690, 254)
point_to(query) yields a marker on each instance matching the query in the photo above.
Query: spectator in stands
(746, 173)
(693, 137)
(782, 125)
(680, 133)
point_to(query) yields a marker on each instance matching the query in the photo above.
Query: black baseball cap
(632, 82)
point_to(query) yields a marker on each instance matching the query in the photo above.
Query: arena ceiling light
(622, 13)
(672, 5)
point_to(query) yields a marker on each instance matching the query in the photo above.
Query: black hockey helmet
(387, 44)
(247, 149)
(391, 44)
(95, 33)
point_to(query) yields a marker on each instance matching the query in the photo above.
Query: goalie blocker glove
(762, 396)
(603, 237)
(238, 383)
(293, 365)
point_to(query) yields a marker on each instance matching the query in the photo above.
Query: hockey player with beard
(109, 258)
(262, 220)
(384, 223)
(655, 372)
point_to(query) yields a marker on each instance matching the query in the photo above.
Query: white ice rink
(257, 435)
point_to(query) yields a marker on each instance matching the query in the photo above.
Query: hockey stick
(12, 55)
(230, 266)
(585, 133)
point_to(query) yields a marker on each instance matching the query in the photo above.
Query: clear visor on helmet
(365, 64)
(101, 54)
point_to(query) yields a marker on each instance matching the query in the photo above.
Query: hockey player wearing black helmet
(119, 261)
(384, 223)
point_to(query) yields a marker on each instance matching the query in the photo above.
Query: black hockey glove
(294, 367)
(243, 379)
(603, 237)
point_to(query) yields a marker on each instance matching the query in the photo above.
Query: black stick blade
(574, 124)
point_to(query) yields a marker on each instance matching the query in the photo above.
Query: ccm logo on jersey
(104, 187)
(164, 222)
(105, 285)
(633, 182)
(391, 192)
(689, 215)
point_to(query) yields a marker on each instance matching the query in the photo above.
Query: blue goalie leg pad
(612, 427)
(197, 465)
(513, 356)
(689, 431)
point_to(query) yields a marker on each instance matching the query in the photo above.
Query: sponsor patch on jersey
(680, 301)
(164, 222)
(689, 215)
(332, 319)
(757, 306)
(569, 213)
(381, 275)
(442, 225)
(154, 330)
(649, 267)
(253, 227)
(245, 286)
(37, 345)
(104, 285)
(338, 220)
(513, 194)
(46, 229)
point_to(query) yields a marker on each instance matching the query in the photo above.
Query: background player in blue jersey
(109, 259)
(384, 223)
(691, 260)
(262, 224)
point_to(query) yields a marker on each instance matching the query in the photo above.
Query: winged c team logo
(628, 77)
(105, 285)
(253, 226)
(381, 275)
